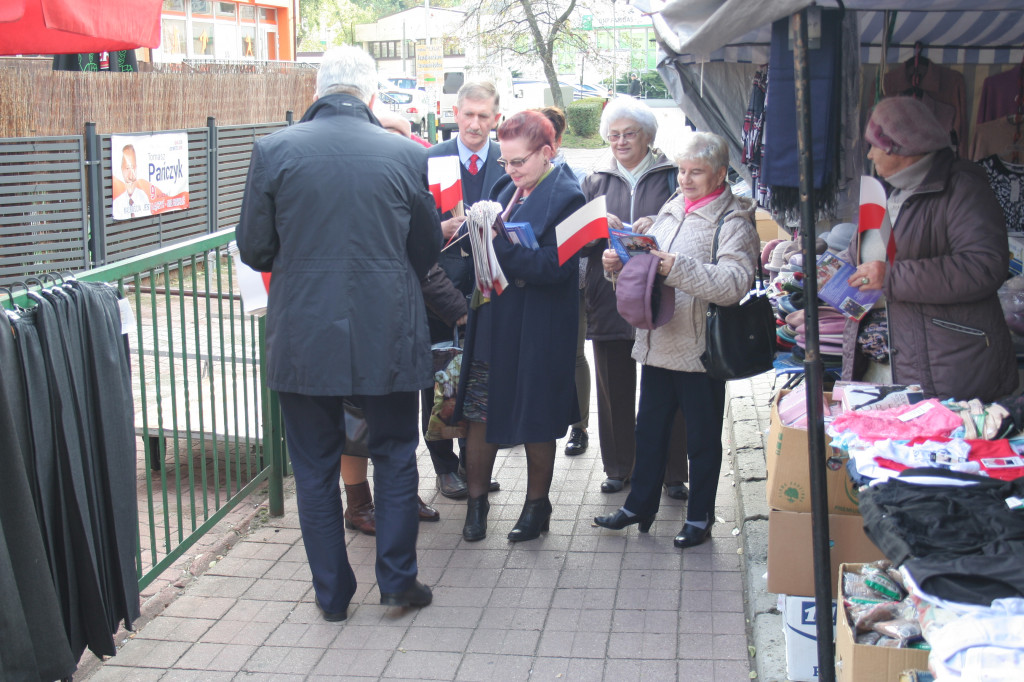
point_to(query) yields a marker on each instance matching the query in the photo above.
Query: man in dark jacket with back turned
(338, 210)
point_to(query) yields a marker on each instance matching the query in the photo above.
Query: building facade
(234, 30)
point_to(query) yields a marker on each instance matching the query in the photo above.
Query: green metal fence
(210, 432)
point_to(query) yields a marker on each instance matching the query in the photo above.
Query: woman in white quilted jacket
(672, 376)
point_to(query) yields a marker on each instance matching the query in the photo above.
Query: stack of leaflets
(628, 243)
(482, 218)
(833, 273)
(521, 234)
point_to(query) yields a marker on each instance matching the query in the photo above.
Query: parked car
(403, 82)
(413, 105)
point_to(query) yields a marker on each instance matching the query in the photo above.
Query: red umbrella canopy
(78, 26)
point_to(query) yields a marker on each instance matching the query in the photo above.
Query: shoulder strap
(714, 248)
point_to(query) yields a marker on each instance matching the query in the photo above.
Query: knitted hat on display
(905, 126)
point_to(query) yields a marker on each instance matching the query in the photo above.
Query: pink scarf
(703, 201)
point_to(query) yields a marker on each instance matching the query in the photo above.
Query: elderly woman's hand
(614, 222)
(667, 261)
(641, 225)
(610, 260)
(868, 276)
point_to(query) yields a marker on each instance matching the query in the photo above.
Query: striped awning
(951, 31)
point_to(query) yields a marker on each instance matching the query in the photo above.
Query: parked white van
(454, 79)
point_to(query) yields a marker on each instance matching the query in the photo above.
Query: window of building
(202, 39)
(268, 16)
(248, 42)
(452, 46)
(247, 12)
(174, 5)
(226, 10)
(202, 8)
(173, 37)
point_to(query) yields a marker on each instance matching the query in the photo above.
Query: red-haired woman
(518, 383)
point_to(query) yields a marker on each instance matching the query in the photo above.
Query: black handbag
(739, 340)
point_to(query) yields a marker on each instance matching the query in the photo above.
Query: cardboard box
(767, 229)
(790, 550)
(858, 662)
(801, 630)
(789, 470)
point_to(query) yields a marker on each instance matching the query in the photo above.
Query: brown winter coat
(653, 189)
(946, 327)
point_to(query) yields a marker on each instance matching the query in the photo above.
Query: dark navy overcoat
(532, 387)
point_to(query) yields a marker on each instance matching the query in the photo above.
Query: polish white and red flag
(445, 179)
(253, 286)
(873, 214)
(584, 226)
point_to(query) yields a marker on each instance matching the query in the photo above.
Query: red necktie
(473, 168)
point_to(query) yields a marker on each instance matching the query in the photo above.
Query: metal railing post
(271, 431)
(431, 128)
(289, 117)
(97, 231)
(212, 185)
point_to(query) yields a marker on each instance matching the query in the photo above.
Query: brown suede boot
(359, 511)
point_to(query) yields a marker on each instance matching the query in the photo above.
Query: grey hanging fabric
(35, 644)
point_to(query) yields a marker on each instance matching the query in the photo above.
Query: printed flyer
(150, 174)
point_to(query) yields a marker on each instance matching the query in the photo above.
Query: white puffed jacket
(679, 344)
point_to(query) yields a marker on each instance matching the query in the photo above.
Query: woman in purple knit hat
(938, 267)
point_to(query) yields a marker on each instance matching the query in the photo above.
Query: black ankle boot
(535, 518)
(476, 518)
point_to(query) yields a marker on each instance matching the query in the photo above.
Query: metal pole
(212, 185)
(813, 371)
(94, 173)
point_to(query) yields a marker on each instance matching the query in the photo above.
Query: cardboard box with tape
(789, 479)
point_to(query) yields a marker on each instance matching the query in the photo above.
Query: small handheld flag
(445, 180)
(585, 225)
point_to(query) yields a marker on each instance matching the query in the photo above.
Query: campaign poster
(150, 174)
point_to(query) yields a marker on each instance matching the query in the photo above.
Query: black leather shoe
(476, 519)
(535, 517)
(612, 485)
(331, 617)
(677, 491)
(452, 485)
(417, 595)
(578, 441)
(691, 536)
(494, 486)
(427, 513)
(620, 520)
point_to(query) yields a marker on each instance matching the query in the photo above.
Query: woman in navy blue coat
(518, 383)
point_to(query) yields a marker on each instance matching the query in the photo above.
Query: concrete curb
(747, 423)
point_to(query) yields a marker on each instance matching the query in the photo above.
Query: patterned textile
(474, 408)
(753, 133)
(873, 339)
(1007, 181)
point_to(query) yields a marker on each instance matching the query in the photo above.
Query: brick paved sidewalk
(581, 603)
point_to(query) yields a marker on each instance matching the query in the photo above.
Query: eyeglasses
(516, 163)
(628, 136)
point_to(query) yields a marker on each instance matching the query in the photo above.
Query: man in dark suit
(477, 113)
(338, 210)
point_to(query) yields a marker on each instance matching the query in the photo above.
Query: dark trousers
(315, 429)
(442, 452)
(702, 401)
(615, 371)
(582, 368)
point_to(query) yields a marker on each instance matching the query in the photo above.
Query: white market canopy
(955, 31)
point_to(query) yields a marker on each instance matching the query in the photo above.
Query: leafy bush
(584, 116)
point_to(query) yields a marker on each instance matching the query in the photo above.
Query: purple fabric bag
(642, 297)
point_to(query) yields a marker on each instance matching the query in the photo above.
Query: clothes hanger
(917, 67)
